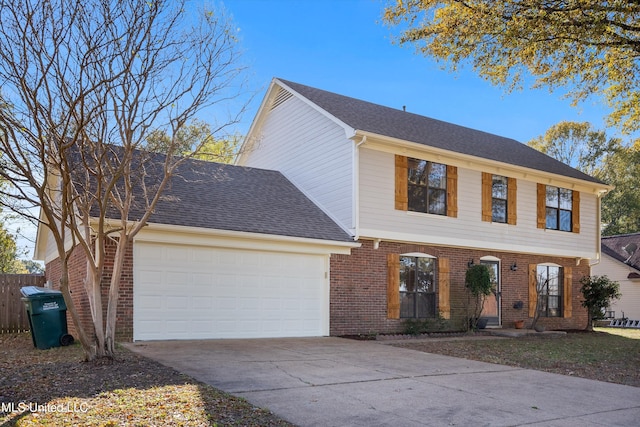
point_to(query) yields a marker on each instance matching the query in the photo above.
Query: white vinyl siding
(193, 292)
(380, 219)
(310, 150)
(629, 303)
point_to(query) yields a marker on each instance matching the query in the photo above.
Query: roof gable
(389, 122)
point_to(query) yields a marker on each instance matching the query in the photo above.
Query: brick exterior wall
(77, 272)
(358, 295)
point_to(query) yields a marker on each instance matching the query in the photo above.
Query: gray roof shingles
(226, 197)
(624, 248)
(390, 122)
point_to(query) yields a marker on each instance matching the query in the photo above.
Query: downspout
(356, 188)
(598, 229)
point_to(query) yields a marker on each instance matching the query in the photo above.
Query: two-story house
(426, 199)
(345, 217)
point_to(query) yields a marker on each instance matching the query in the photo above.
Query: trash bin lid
(36, 291)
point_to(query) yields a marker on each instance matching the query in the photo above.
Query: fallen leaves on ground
(56, 388)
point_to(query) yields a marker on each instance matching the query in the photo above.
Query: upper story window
(559, 208)
(499, 199)
(427, 186)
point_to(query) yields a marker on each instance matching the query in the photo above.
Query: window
(427, 187)
(549, 286)
(499, 198)
(417, 287)
(559, 208)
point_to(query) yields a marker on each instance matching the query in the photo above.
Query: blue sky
(343, 47)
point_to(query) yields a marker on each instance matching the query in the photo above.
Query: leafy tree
(197, 134)
(477, 281)
(586, 47)
(577, 144)
(621, 206)
(32, 267)
(8, 253)
(598, 292)
(84, 83)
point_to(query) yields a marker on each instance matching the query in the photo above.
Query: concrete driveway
(340, 382)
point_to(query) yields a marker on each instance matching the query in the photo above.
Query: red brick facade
(358, 302)
(358, 296)
(77, 273)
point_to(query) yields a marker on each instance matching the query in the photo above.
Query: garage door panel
(183, 292)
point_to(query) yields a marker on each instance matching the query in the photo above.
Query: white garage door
(185, 292)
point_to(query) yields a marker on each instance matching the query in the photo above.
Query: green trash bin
(47, 315)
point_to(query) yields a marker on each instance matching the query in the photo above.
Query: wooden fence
(13, 316)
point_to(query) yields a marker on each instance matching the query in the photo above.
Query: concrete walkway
(340, 382)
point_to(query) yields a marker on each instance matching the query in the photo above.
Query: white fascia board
(466, 243)
(181, 235)
(256, 124)
(467, 161)
(40, 249)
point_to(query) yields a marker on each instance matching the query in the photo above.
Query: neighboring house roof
(377, 119)
(624, 248)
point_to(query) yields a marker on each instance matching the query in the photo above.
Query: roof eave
(397, 146)
(333, 246)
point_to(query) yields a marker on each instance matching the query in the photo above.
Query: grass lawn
(55, 388)
(607, 354)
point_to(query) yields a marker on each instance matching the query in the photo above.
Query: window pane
(499, 210)
(552, 218)
(554, 280)
(437, 203)
(417, 171)
(407, 305)
(552, 196)
(417, 198)
(425, 274)
(407, 274)
(566, 199)
(565, 220)
(437, 176)
(426, 305)
(499, 187)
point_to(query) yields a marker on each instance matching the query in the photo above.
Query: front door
(491, 310)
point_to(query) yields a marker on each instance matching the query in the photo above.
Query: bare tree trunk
(88, 346)
(114, 293)
(93, 283)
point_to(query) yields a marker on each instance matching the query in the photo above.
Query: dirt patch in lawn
(600, 355)
(54, 387)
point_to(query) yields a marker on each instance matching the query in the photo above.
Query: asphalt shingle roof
(390, 122)
(624, 248)
(236, 198)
